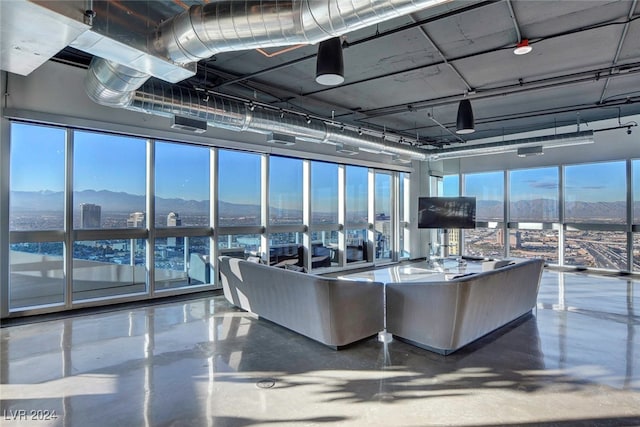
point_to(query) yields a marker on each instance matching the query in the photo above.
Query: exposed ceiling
(406, 75)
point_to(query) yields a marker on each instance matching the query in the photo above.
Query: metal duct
(222, 26)
(204, 30)
(167, 100)
(498, 147)
(112, 84)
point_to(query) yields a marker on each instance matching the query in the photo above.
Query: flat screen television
(447, 212)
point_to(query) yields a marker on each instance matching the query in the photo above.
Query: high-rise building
(173, 220)
(90, 215)
(136, 220)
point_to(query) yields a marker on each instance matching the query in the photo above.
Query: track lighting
(329, 63)
(465, 122)
(308, 120)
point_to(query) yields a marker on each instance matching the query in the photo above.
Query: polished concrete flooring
(574, 362)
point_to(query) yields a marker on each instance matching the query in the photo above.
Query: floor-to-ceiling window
(635, 188)
(585, 222)
(239, 204)
(100, 216)
(286, 198)
(595, 214)
(447, 186)
(324, 214)
(404, 235)
(36, 216)
(383, 241)
(182, 215)
(534, 213)
(488, 239)
(356, 219)
(109, 194)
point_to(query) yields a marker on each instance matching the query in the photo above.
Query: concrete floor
(574, 362)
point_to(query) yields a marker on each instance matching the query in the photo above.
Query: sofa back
(445, 315)
(333, 311)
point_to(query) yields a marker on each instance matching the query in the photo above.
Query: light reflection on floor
(575, 361)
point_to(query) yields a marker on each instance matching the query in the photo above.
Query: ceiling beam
(625, 29)
(357, 42)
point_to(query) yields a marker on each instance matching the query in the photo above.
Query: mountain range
(523, 210)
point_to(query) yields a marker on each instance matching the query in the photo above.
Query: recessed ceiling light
(523, 47)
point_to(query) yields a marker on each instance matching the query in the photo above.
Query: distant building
(136, 220)
(173, 220)
(90, 215)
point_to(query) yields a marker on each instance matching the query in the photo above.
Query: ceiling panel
(395, 77)
(468, 33)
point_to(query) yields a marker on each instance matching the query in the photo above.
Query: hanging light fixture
(523, 47)
(465, 123)
(329, 64)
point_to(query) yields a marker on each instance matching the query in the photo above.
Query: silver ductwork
(167, 100)
(223, 26)
(205, 30)
(112, 84)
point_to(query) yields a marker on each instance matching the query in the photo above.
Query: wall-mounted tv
(447, 212)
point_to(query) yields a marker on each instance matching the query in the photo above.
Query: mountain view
(546, 209)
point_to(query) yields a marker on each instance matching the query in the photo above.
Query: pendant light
(329, 64)
(465, 122)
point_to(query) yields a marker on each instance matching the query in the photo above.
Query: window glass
(106, 268)
(599, 249)
(451, 185)
(238, 188)
(383, 216)
(285, 190)
(37, 168)
(109, 181)
(488, 189)
(324, 193)
(182, 185)
(324, 248)
(635, 185)
(182, 261)
(484, 242)
(403, 200)
(357, 193)
(239, 245)
(534, 244)
(533, 195)
(596, 192)
(36, 274)
(636, 252)
(357, 246)
(286, 249)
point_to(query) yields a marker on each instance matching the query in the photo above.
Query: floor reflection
(203, 362)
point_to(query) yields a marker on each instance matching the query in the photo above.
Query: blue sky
(115, 163)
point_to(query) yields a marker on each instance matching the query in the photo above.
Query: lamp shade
(329, 64)
(464, 123)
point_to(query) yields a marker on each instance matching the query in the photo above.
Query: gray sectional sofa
(445, 315)
(331, 311)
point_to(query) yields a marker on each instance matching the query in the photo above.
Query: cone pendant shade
(329, 64)
(465, 122)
